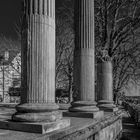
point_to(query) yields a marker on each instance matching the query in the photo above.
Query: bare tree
(65, 47)
(117, 24)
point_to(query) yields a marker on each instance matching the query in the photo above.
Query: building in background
(10, 78)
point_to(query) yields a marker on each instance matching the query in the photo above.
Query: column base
(36, 118)
(107, 106)
(84, 109)
(36, 112)
(39, 127)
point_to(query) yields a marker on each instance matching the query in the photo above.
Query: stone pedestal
(84, 74)
(38, 69)
(105, 86)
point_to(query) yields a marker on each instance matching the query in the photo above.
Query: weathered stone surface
(80, 128)
(92, 128)
(110, 132)
(42, 127)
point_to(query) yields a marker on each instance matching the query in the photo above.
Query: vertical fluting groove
(30, 58)
(37, 66)
(43, 5)
(32, 62)
(35, 73)
(47, 69)
(88, 27)
(48, 9)
(43, 58)
(39, 8)
(45, 62)
(49, 3)
(85, 23)
(28, 5)
(33, 44)
(39, 61)
(42, 51)
(53, 8)
(27, 64)
(33, 66)
(31, 7)
(31, 33)
(80, 25)
(35, 6)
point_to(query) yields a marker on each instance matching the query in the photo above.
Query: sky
(10, 10)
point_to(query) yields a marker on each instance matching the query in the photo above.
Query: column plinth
(105, 86)
(38, 107)
(84, 76)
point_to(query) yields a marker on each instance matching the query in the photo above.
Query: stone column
(38, 66)
(105, 86)
(84, 74)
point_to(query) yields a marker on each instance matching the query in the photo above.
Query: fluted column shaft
(84, 76)
(38, 55)
(84, 51)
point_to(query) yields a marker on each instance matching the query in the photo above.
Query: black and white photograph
(69, 69)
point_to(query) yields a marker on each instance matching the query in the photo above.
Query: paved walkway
(130, 131)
